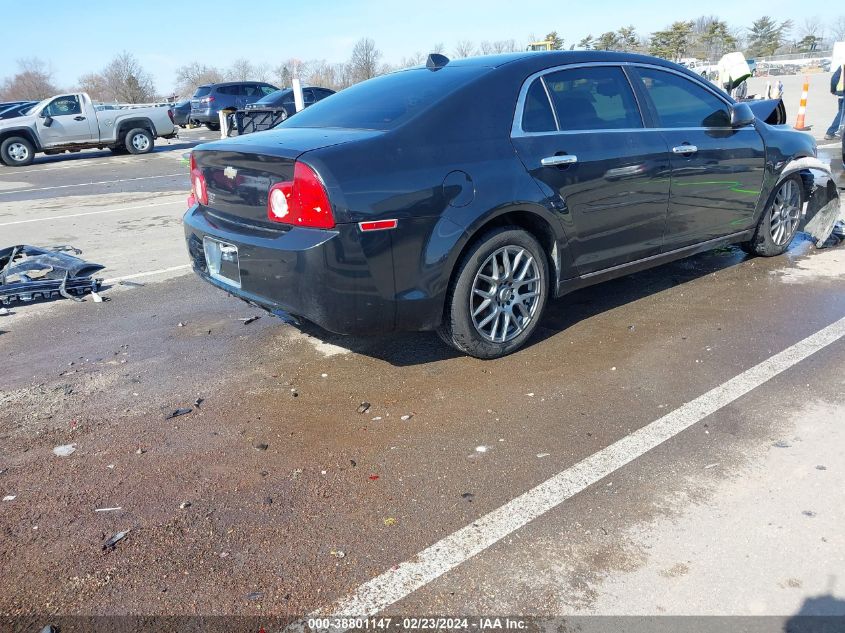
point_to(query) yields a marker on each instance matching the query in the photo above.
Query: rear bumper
(203, 116)
(339, 279)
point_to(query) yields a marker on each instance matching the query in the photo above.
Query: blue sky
(80, 37)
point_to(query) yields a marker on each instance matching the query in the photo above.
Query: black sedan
(12, 111)
(283, 99)
(462, 196)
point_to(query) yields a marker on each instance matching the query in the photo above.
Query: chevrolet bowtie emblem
(230, 172)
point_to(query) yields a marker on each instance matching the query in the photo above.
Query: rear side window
(597, 98)
(387, 101)
(202, 91)
(251, 90)
(679, 102)
(537, 113)
(228, 90)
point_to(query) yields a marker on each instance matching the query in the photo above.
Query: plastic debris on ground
(114, 540)
(389, 522)
(115, 509)
(363, 407)
(248, 320)
(28, 273)
(178, 412)
(65, 450)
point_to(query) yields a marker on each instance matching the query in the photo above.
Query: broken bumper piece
(28, 273)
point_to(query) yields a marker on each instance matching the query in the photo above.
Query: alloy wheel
(140, 142)
(786, 213)
(505, 294)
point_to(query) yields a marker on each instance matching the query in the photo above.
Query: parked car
(71, 122)
(12, 111)
(208, 100)
(182, 112)
(464, 195)
(283, 99)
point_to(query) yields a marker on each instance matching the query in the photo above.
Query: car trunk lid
(240, 171)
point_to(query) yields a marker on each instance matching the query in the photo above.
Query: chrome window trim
(518, 132)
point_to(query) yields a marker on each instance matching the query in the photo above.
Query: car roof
(545, 59)
(235, 83)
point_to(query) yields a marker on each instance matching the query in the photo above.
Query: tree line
(124, 80)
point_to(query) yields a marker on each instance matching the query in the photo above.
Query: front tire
(16, 151)
(779, 222)
(497, 295)
(139, 141)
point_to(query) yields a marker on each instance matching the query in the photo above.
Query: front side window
(593, 98)
(267, 90)
(62, 106)
(679, 102)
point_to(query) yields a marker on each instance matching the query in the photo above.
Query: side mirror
(741, 115)
(48, 120)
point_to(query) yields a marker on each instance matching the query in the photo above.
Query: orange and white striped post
(802, 108)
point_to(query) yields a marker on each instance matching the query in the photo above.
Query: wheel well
(124, 127)
(21, 132)
(529, 222)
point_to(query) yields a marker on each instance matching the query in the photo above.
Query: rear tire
(779, 222)
(139, 141)
(214, 127)
(16, 151)
(497, 294)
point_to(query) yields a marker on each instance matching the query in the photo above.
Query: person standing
(837, 87)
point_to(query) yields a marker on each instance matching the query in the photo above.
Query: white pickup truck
(71, 122)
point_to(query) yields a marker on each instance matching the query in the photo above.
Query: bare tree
(464, 48)
(34, 80)
(192, 75)
(412, 60)
(127, 81)
(503, 46)
(485, 48)
(438, 48)
(837, 29)
(364, 63)
(95, 85)
(812, 27)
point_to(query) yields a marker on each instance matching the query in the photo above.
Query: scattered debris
(709, 466)
(108, 509)
(363, 407)
(530, 394)
(268, 501)
(353, 462)
(294, 393)
(180, 324)
(808, 513)
(614, 368)
(140, 451)
(198, 402)
(255, 595)
(49, 629)
(377, 418)
(96, 297)
(781, 444)
(338, 553)
(542, 455)
(4, 312)
(373, 477)
(468, 496)
(820, 467)
(248, 320)
(324, 375)
(133, 284)
(480, 449)
(114, 540)
(389, 522)
(66, 450)
(405, 418)
(10, 497)
(260, 446)
(28, 273)
(178, 412)
(184, 505)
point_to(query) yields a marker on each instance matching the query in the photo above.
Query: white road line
(89, 184)
(91, 162)
(395, 584)
(78, 215)
(150, 273)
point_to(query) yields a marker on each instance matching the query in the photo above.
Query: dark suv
(208, 100)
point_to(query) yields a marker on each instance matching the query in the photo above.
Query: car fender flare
(27, 132)
(122, 126)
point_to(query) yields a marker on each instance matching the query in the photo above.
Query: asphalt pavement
(669, 444)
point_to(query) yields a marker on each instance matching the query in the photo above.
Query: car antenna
(436, 61)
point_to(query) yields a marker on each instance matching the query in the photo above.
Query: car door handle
(557, 161)
(684, 149)
(79, 118)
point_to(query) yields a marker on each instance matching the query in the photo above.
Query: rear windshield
(385, 102)
(202, 91)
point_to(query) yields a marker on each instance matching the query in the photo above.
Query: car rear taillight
(170, 114)
(302, 201)
(206, 99)
(199, 190)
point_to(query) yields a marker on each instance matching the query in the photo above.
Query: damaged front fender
(821, 209)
